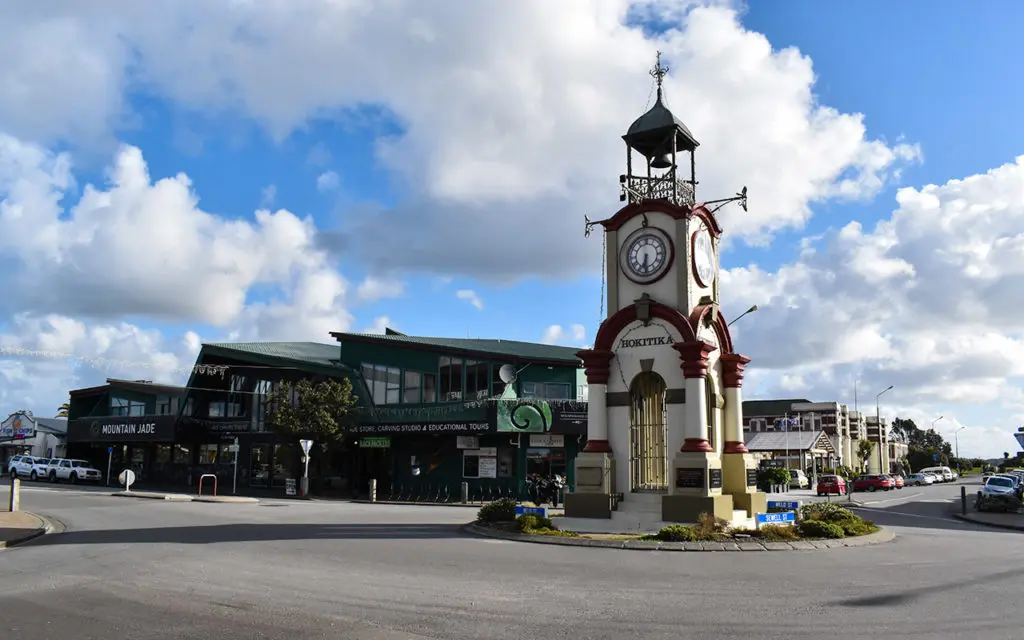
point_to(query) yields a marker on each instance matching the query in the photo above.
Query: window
(182, 454)
(187, 411)
(208, 454)
(118, 407)
(449, 380)
(384, 383)
(429, 387)
(477, 387)
(260, 398)
(163, 454)
(136, 408)
(546, 391)
(227, 454)
(480, 463)
(413, 393)
(217, 410)
(163, 405)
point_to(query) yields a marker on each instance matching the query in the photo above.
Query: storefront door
(259, 465)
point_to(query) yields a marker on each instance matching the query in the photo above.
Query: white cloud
(380, 325)
(373, 288)
(505, 115)
(328, 181)
(471, 297)
(928, 300)
(556, 334)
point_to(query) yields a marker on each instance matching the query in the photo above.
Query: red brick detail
(597, 446)
(732, 446)
(733, 365)
(596, 363)
(694, 355)
(697, 444)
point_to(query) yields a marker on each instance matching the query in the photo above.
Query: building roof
(772, 408)
(56, 425)
(318, 353)
(512, 349)
(143, 386)
(792, 440)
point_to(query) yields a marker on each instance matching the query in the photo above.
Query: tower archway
(648, 434)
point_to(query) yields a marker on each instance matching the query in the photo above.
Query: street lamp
(956, 441)
(750, 310)
(878, 422)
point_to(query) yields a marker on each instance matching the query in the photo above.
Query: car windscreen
(80, 463)
(1001, 482)
(42, 461)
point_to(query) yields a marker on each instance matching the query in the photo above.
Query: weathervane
(659, 72)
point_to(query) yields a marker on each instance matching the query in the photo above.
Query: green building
(433, 413)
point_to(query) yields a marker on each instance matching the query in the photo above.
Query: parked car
(898, 481)
(20, 466)
(831, 484)
(40, 469)
(73, 471)
(1000, 493)
(873, 482)
(920, 479)
(798, 479)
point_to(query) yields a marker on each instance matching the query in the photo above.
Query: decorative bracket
(740, 197)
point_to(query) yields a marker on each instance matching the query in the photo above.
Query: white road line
(911, 515)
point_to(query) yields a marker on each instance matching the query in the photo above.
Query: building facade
(26, 434)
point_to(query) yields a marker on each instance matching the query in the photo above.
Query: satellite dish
(507, 373)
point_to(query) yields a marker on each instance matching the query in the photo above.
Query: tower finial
(658, 73)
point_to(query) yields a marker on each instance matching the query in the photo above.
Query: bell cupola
(660, 139)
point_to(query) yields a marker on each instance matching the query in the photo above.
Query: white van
(943, 472)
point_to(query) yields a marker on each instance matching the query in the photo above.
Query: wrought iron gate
(648, 450)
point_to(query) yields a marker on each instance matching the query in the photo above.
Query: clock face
(703, 258)
(646, 255)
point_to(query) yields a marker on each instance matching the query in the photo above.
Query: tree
(864, 449)
(64, 409)
(320, 411)
(904, 430)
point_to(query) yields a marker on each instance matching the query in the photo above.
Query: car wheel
(871, 488)
(32, 476)
(74, 478)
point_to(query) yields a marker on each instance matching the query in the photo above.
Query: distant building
(25, 434)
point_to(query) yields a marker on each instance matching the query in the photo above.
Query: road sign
(786, 517)
(789, 506)
(305, 444)
(935, 457)
(531, 511)
(127, 478)
(110, 449)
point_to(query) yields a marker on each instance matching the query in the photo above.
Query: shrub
(777, 532)
(826, 512)
(858, 527)
(528, 523)
(709, 527)
(503, 510)
(676, 533)
(820, 529)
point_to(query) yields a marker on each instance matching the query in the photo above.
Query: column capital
(733, 365)
(597, 364)
(694, 355)
(597, 446)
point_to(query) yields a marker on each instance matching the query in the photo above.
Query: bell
(664, 161)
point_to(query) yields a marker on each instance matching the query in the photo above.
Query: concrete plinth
(738, 472)
(595, 484)
(588, 505)
(679, 508)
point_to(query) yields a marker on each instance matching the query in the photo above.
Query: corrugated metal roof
(60, 425)
(497, 347)
(791, 440)
(769, 408)
(325, 355)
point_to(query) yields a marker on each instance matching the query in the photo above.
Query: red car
(831, 484)
(873, 483)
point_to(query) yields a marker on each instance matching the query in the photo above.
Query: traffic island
(182, 497)
(821, 526)
(17, 527)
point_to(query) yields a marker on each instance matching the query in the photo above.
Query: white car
(73, 471)
(20, 466)
(40, 469)
(920, 479)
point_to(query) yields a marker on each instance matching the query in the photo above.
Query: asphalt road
(301, 570)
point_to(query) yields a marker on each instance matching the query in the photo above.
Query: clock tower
(665, 423)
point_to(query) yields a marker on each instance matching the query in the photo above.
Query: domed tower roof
(650, 132)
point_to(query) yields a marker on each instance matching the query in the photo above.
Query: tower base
(739, 479)
(595, 474)
(679, 508)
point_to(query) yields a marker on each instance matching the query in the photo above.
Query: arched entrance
(648, 449)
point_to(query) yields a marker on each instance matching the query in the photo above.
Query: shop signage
(547, 440)
(467, 442)
(786, 517)
(18, 426)
(452, 428)
(118, 429)
(530, 415)
(653, 341)
(689, 478)
(375, 442)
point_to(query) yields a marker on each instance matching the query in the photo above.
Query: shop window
(163, 405)
(208, 454)
(429, 387)
(182, 454)
(259, 465)
(217, 410)
(546, 391)
(227, 454)
(477, 387)
(449, 379)
(163, 454)
(260, 398)
(545, 461)
(136, 408)
(384, 383)
(118, 407)
(480, 463)
(413, 392)
(189, 407)
(507, 463)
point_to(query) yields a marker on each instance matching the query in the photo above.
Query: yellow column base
(595, 485)
(739, 480)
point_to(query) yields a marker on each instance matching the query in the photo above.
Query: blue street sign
(935, 457)
(786, 517)
(110, 449)
(533, 511)
(773, 504)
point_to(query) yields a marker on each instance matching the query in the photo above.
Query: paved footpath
(18, 527)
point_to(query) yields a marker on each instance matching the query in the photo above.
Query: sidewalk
(19, 527)
(1013, 521)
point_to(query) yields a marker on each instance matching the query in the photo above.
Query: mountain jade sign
(123, 429)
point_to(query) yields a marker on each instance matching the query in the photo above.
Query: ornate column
(733, 365)
(597, 365)
(694, 356)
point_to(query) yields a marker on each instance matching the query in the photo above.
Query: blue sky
(469, 161)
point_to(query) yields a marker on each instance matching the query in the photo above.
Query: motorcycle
(545, 489)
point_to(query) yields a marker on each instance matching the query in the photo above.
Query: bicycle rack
(208, 475)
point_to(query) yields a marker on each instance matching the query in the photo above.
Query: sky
(186, 172)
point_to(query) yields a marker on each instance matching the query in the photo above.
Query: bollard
(373, 489)
(15, 502)
(963, 500)
(465, 492)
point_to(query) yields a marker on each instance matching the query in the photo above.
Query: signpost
(784, 518)
(126, 478)
(304, 487)
(110, 462)
(531, 511)
(234, 479)
(778, 505)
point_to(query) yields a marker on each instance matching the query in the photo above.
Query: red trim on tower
(732, 446)
(702, 212)
(597, 364)
(718, 323)
(614, 324)
(697, 444)
(694, 355)
(674, 211)
(733, 365)
(597, 446)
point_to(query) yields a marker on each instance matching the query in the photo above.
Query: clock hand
(644, 264)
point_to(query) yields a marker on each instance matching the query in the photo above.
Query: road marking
(905, 497)
(910, 515)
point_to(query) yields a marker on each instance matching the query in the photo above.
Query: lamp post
(956, 444)
(878, 422)
(750, 310)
